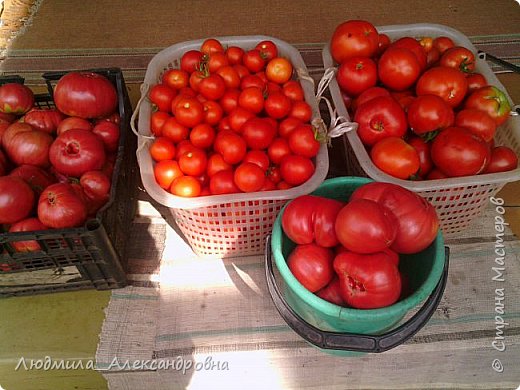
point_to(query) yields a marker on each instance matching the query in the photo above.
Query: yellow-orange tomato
(279, 70)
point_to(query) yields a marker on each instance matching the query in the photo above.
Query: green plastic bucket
(334, 328)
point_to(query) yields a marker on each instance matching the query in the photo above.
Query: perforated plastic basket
(460, 200)
(223, 225)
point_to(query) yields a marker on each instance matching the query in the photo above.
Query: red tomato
(456, 151)
(491, 100)
(429, 113)
(27, 225)
(190, 61)
(60, 206)
(229, 101)
(383, 43)
(188, 111)
(157, 121)
(162, 148)
(4, 164)
(216, 163)
(287, 125)
(212, 87)
(368, 281)
(253, 60)
(310, 218)
(96, 185)
(165, 172)
(279, 70)
(202, 136)
(398, 68)
(258, 133)
(478, 122)
(186, 186)
(161, 96)
(252, 80)
(303, 141)
(436, 174)
(379, 118)
(36, 177)
(46, 120)
(193, 162)
(216, 61)
(367, 95)
(432, 57)
(238, 117)
(354, 38)
(277, 105)
(356, 74)
(230, 76)
(415, 47)
(311, 265)
(296, 170)
(73, 122)
(24, 145)
(475, 81)
(268, 49)
(175, 78)
(223, 182)
(108, 132)
(15, 98)
(211, 45)
(278, 149)
(460, 58)
(364, 226)
(16, 199)
(423, 151)
(234, 54)
(258, 157)
(393, 155)
(502, 159)
(251, 99)
(293, 90)
(448, 83)
(331, 292)
(213, 112)
(231, 146)
(249, 177)
(443, 43)
(174, 131)
(85, 94)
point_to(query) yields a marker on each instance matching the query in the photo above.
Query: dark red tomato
(503, 159)
(61, 206)
(189, 111)
(477, 121)
(186, 186)
(96, 185)
(212, 87)
(354, 38)
(202, 136)
(293, 90)
(162, 148)
(268, 49)
(258, 157)
(273, 173)
(161, 97)
(36, 177)
(423, 151)
(165, 172)
(277, 105)
(443, 43)
(429, 113)
(287, 125)
(73, 122)
(229, 101)
(252, 99)
(460, 58)
(367, 95)
(249, 177)
(253, 60)
(296, 170)
(27, 225)
(174, 131)
(383, 43)
(398, 68)
(16, 98)
(379, 118)
(85, 94)
(16, 199)
(238, 117)
(436, 174)
(193, 162)
(223, 182)
(476, 81)
(234, 54)
(175, 78)
(311, 265)
(157, 120)
(364, 226)
(258, 133)
(278, 149)
(332, 293)
(216, 61)
(448, 83)
(76, 152)
(404, 98)
(9, 118)
(24, 145)
(190, 61)
(4, 164)
(216, 163)
(491, 100)
(456, 151)
(368, 281)
(415, 47)
(109, 133)
(272, 87)
(310, 218)
(46, 120)
(211, 45)
(231, 146)
(393, 155)
(432, 57)
(303, 141)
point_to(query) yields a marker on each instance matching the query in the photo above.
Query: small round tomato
(278, 149)
(193, 162)
(238, 117)
(252, 99)
(396, 157)
(503, 159)
(213, 112)
(234, 54)
(268, 49)
(202, 136)
(258, 157)
(253, 60)
(230, 76)
(293, 90)
(277, 105)
(443, 43)
(174, 131)
(231, 146)
(229, 101)
(354, 38)
(216, 163)
(258, 133)
(491, 100)
(211, 45)
(356, 74)
(475, 81)
(157, 120)
(311, 265)
(448, 83)
(249, 177)
(252, 80)
(162, 148)
(423, 151)
(296, 170)
(186, 186)
(287, 125)
(478, 122)
(189, 111)
(165, 172)
(303, 141)
(301, 110)
(383, 43)
(176, 78)
(460, 58)
(190, 61)
(279, 70)
(184, 146)
(415, 47)
(161, 96)
(367, 95)
(216, 61)
(223, 182)
(212, 87)
(398, 68)
(429, 113)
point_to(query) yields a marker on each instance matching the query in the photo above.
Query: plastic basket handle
(352, 341)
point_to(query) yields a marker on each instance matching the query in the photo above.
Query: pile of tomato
(56, 164)
(230, 120)
(348, 253)
(423, 112)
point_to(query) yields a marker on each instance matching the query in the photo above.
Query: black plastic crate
(91, 256)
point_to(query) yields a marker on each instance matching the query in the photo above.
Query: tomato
(85, 94)
(216, 163)
(279, 70)
(277, 105)
(231, 146)
(417, 221)
(477, 121)
(157, 120)
(242, 71)
(293, 90)
(196, 79)
(175, 78)
(162, 148)
(398, 68)
(273, 174)
(296, 170)
(456, 151)
(426, 43)
(193, 162)
(174, 131)
(76, 152)
(253, 60)
(211, 45)
(24, 145)
(60, 206)
(252, 99)
(36, 177)
(217, 61)
(238, 117)
(443, 43)
(186, 186)
(15, 98)
(415, 47)
(258, 157)
(223, 182)
(429, 113)
(356, 74)
(368, 281)
(268, 49)
(161, 97)
(475, 81)
(364, 226)
(73, 122)
(190, 61)
(252, 80)
(379, 118)
(96, 185)
(303, 141)
(108, 132)
(383, 43)
(287, 125)
(278, 149)
(4, 164)
(165, 172)
(460, 58)
(432, 57)
(212, 87)
(16, 199)
(502, 159)
(189, 111)
(230, 76)
(491, 100)
(423, 151)
(448, 83)
(311, 265)
(367, 95)
(249, 177)
(234, 54)
(27, 225)
(393, 155)
(258, 133)
(213, 112)
(436, 174)
(354, 38)
(331, 292)
(311, 218)
(46, 120)
(202, 136)
(229, 101)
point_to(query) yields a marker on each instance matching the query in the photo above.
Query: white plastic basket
(460, 200)
(224, 225)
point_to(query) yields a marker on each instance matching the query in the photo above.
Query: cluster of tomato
(56, 164)
(348, 253)
(422, 109)
(231, 120)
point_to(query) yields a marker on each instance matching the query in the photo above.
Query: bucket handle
(352, 341)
